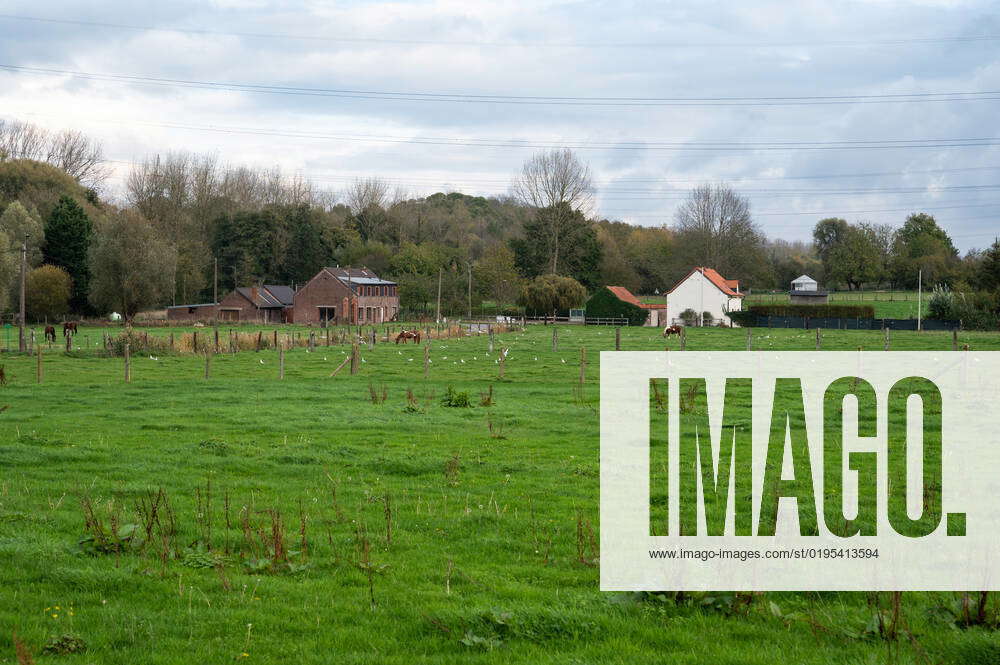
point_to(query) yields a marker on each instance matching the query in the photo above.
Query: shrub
(605, 305)
(707, 319)
(689, 317)
(454, 398)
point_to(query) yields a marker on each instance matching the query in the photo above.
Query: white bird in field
(463, 361)
(399, 352)
(324, 358)
(261, 361)
(536, 358)
(445, 358)
(363, 360)
(563, 361)
(153, 359)
(410, 359)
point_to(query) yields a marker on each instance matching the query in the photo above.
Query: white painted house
(704, 290)
(804, 283)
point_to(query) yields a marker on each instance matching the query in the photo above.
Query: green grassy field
(307, 524)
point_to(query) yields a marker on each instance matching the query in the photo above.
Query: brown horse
(671, 330)
(407, 335)
(69, 328)
(50, 334)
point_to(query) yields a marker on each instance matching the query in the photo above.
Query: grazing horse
(50, 334)
(405, 335)
(69, 328)
(671, 330)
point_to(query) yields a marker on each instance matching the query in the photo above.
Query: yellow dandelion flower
(56, 607)
(55, 616)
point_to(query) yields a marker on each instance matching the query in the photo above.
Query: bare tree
(71, 151)
(558, 180)
(21, 140)
(715, 229)
(79, 156)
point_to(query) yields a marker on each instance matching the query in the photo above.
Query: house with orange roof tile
(706, 292)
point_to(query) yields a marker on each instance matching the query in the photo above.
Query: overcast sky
(679, 64)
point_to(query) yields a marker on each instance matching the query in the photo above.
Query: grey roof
(267, 295)
(803, 278)
(359, 276)
(204, 304)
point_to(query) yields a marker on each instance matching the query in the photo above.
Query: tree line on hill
(179, 218)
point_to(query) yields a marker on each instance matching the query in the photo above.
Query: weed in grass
(452, 469)
(455, 398)
(412, 405)
(377, 395)
(486, 398)
(495, 428)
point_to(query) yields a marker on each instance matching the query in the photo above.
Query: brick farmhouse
(346, 295)
(335, 295)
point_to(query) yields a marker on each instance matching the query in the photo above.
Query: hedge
(606, 305)
(813, 311)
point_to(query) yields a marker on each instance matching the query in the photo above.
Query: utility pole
(215, 283)
(701, 307)
(21, 342)
(437, 315)
(920, 300)
(470, 289)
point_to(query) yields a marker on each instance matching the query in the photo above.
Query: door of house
(327, 314)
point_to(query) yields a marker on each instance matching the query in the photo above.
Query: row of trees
(181, 218)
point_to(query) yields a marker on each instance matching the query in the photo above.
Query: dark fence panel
(831, 323)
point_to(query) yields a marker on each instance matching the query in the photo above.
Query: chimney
(253, 294)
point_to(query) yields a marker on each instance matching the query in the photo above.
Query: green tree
(134, 267)
(552, 294)
(560, 236)
(496, 275)
(48, 290)
(921, 245)
(989, 272)
(307, 249)
(8, 270)
(16, 221)
(68, 232)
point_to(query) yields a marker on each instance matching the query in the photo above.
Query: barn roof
(731, 287)
(268, 295)
(625, 295)
(358, 276)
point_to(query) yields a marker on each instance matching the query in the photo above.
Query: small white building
(707, 293)
(804, 283)
(805, 291)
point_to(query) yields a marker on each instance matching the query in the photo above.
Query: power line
(618, 102)
(711, 146)
(906, 41)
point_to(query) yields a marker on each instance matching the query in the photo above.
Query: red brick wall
(325, 290)
(203, 313)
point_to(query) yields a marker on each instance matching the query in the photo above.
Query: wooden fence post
(355, 358)
(489, 329)
(312, 341)
(128, 363)
(260, 339)
(208, 366)
(618, 338)
(171, 341)
(195, 341)
(583, 365)
(69, 343)
(275, 338)
(502, 362)
(216, 333)
(427, 359)
(954, 339)
(749, 339)
(38, 368)
(819, 339)
(555, 337)
(281, 363)
(684, 337)
(886, 335)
